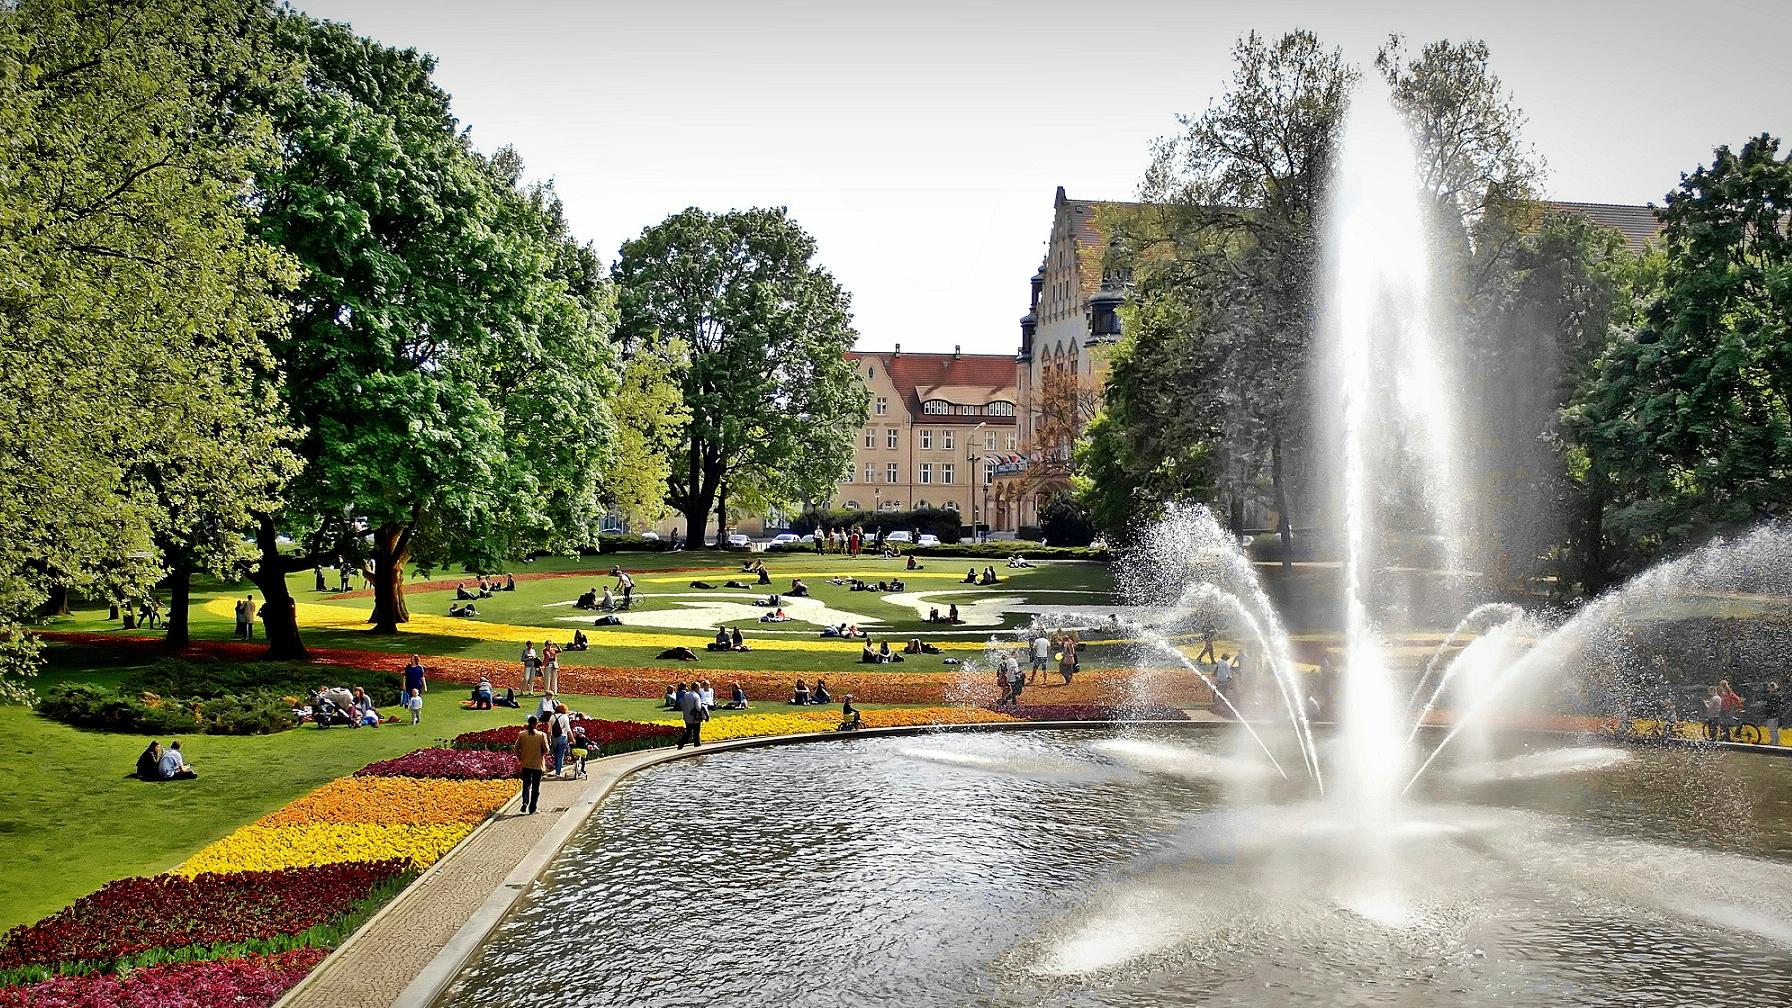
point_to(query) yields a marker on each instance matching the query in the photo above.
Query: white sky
(920, 140)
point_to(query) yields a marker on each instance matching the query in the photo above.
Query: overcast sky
(920, 140)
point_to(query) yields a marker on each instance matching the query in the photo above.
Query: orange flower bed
(394, 801)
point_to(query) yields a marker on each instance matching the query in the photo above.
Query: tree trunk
(57, 603)
(721, 517)
(1284, 526)
(279, 614)
(391, 548)
(1593, 575)
(180, 603)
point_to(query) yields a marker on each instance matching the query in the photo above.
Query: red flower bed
(169, 911)
(445, 764)
(610, 737)
(249, 982)
(1092, 712)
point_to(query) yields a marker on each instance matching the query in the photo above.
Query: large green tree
(448, 354)
(1685, 426)
(756, 335)
(136, 295)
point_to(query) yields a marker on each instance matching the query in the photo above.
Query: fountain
(1383, 860)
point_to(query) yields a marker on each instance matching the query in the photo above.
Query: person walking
(560, 736)
(530, 750)
(414, 702)
(1042, 655)
(691, 706)
(414, 679)
(249, 611)
(530, 663)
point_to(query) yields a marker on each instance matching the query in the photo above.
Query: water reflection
(1089, 869)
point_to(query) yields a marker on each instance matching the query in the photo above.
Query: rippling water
(1093, 869)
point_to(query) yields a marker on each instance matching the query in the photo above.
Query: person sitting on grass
(765, 576)
(463, 612)
(970, 576)
(1018, 561)
(868, 654)
(952, 614)
(849, 715)
(365, 713)
(149, 762)
(800, 697)
(579, 642)
(510, 582)
(608, 602)
(461, 594)
(989, 576)
(586, 601)
(912, 565)
(820, 694)
(482, 694)
(736, 641)
(721, 642)
(737, 699)
(174, 766)
(884, 655)
(798, 589)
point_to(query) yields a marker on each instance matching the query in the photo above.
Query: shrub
(202, 678)
(943, 522)
(1063, 523)
(445, 764)
(609, 737)
(1001, 549)
(259, 713)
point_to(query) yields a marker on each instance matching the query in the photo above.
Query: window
(946, 473)
(989, 440)
(1011, 442)
(989, 472)
(922, 504)
(871, 372)
(1001, 409)
(927, 439)
(870, 438)
(775, 518)
(947, 434)
(883, 405)
(927, 472)
(852, 505)
(890, 473)
(870, 473)
(936, 406)
(951, 505)
(890, 438)
(892, 505)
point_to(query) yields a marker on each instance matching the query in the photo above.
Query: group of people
(1725, 709)
(728, 639)
(246, 611)
(344, 575)
(879, 655)
(951, 616)
(852, 542)
(543, 665)
(158, 764)
(803, 695)
(329, 706)
(1043, 649)
(547, 744)
(483, 588)
(988, 577)
(706, 695)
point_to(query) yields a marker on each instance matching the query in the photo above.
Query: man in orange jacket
(531, 749)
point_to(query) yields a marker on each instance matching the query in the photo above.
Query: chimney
(897, 352)
(955, 351)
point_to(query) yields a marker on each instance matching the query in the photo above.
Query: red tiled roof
(912, 372)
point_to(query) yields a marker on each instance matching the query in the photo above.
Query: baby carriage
(581, 751)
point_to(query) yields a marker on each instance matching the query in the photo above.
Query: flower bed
(253, 981)
(1092, 712)
(806, 721)
(445, 764)
(916, 717)
(172, 911)
(270, 848)
(395, 801)
(610, 737)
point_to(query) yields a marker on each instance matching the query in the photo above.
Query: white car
(739, 540)
(650, 536)
(786, 538)
(927, 539)
(900, 537)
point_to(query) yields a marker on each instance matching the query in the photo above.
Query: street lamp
(971, 464)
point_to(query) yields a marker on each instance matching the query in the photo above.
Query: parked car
(739, 540)
(927, 539)
(786, 538)
(900, 537)
(650, 536)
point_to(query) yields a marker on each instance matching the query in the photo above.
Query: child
(415, 703)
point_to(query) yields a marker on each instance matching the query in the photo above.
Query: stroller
(327, 712)
(581, 751)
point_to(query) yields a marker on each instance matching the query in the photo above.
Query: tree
(448, 353)
(1683, 427)
(649, 415)
(1227, 243)
(136, 296)
(756, 336)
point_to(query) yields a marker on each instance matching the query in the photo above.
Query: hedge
(1002, 549)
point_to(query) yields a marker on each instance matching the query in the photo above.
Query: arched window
(852, 505)
(951, 505)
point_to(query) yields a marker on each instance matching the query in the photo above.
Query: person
(868, 654)
(1714, 712)
(530, 750)
(798, 589)
(1771, 703)
(952, 613)
(1209, 632)
(579, 642)
(970, 576)
(482, 694)
(152, 612)
(545, 709)
(884, 655)
(737, 698)
(1732, 708)
(913, 646)
(414, 701)
(1016, 677)
(671, 698)
(897, 585)
(414, 679)
(707, 694)
(677, 654)
(800, 697)
(508, 700)
(736, 641)
(249, 612)
(1017, 561)
(989, 576)
(510, 582)
(609, 600)
(765, 576)
(1067, 661)
(321, 585)
(1041, 651)
(691, 707)
(550, 665)
(586, 600)
(149, 762)
(912, 565)
(530, 661)
(366, 715)
(174, 765)
(581, 751)
(819, 549)
(461, 594)
(849, 715)
(342, 575)
(1222, 674)
(242, 623)
(626, 583)
(722, 642)
(933, 615)
(463, 611)
(821, 695)
(560, 737)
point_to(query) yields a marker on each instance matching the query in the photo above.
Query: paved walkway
(385, 956)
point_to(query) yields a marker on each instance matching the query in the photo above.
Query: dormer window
(1001, 409)
(938, 406)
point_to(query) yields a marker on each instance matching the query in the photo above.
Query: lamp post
(970, 458)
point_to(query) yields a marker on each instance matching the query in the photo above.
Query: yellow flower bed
(269, 848)
(736, 726)
(395, 801)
